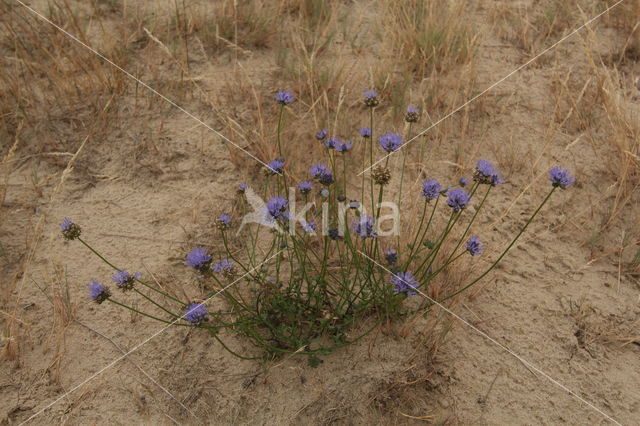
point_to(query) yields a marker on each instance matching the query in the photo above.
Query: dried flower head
(404, 282)
(458, 199)
(431, 189)
(371, 98)
(474, 246)
(381, 175)
(98, 292)
(70, 231)
(561, 178)
(124, 280)
(412, 115)
(195, 312)
(198, 259)
(284, 97)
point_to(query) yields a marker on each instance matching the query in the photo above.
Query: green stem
(174, 322)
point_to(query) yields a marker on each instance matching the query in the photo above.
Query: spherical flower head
(404, 282)
(365, 227)
(124, 280)
(98, 292)
(305, 187)
(561, 178)
(391, 256)
(198, 259)
(381, 175)
(310, 227)
(242, 188)
(334, 234)
(365, 132)
(371, 98)
(322, 173)
(284, 98)
(195, 312)
(321, 134)
(277, 209)
(332, 142)
(225, 267)
(224, 221)
(342, 198)
(474, 246)
(344, 147)
(324, 193)
(390, 142)
(431, 189)
(458, 199)
(463, 181)
(70, 231)
(275, 167)
(487, 174)
(412, 115)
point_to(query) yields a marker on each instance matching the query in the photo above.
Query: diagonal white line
(515, 355)
(154, 91)
(114, 362)
(494, 85)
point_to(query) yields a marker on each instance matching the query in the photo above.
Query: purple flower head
(321, 134)
(224, 221)
(458, 199)
(391, 256)
(334, 234)
(431, 189)
(390, 142)
(332, 142)
(365, 227)
(365, 132)
(371, 98)
(195, 312)
(277, 209)
(474, 246)
(225, 267)
(305, 187)
(98, 292)
(242, 188)
(463, 181)
(413, 110)
(344, 146)
(276, 166)
(404, 282)
(310, 227)
(284, 97)
(70, 231)
(322, 173)
(125, 280)
(487, 174)
(198, 259)
(561, 177)
(412, 115)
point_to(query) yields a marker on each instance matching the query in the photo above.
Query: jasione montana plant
(296, 288)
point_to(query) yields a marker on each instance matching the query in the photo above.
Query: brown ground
(149, 179)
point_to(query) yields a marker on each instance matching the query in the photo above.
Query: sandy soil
(148, 192)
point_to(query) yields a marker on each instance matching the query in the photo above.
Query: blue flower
(365, 227)
(242, 188)
(70, 231)
(561, 177)
(365, 132)
(310, 227)
(332, 142)
(195, 312)
(125, 280)
(334, 234)
(224, 221)
(321, 134)
(371, 98)
(276, 166)
(458, 199)
(463, 181)
(474, 246)
(277, 209)
(391, 256)
(487, 174)
(344, 147)
(404, 282)
(98, 292)
(431, 189)
(305, 187)
(284, 97)
(225, 267)
(390, 142)
(198, 259)
(322, 173)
